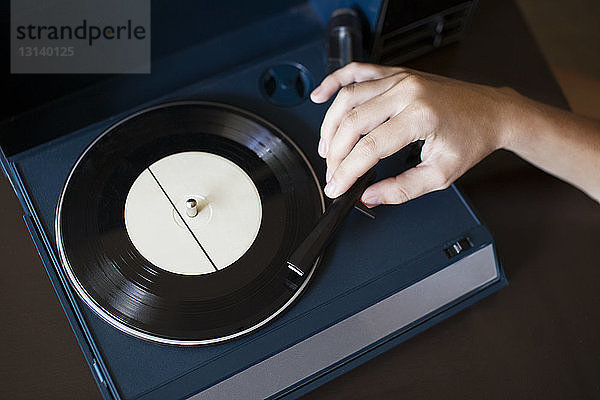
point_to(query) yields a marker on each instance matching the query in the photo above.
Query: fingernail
(315, 91)
(322, 148)
(330, 189)
(328, 174)
(370, 199)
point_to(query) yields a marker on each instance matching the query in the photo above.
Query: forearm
(562, 143)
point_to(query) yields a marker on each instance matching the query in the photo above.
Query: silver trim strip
(339, 341)
(107, 316)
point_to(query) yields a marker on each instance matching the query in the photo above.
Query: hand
(379, 110)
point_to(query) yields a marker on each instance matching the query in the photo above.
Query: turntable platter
(175, 223)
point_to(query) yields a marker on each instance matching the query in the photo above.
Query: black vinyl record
(132, 293)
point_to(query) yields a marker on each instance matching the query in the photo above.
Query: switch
(458, 247)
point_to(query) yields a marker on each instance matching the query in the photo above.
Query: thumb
(410, 184)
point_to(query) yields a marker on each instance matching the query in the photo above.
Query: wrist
(514, 120)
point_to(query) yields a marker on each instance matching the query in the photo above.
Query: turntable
(169, 221)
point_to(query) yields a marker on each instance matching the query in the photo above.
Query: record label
(193, 213)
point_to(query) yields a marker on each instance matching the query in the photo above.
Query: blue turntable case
(380, 282)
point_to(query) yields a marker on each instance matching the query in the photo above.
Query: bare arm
(382, 109)
(559, 142)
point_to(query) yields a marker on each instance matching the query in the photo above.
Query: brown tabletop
(537, 338)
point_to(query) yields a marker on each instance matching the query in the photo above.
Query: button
(458, 247)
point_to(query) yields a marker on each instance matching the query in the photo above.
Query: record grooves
(112, 219)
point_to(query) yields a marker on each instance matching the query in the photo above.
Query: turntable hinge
(96, 370)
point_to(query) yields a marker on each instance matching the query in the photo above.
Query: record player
(168, 211)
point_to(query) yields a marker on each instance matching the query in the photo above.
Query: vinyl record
(175, 224)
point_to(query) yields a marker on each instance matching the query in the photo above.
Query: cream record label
(193, 213)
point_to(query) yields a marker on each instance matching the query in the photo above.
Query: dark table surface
(537, 338)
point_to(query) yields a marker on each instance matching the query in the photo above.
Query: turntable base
(379, 283)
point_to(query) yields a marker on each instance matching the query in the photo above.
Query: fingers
(358, 122)
(383, 141)
(415, 182)
(383, 101)
(343, 108)
(353, 72)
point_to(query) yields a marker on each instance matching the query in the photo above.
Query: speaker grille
(422, 36)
